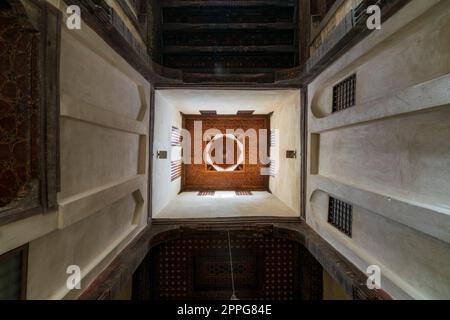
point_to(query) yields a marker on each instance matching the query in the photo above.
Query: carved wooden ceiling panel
(247, 177)
(29, 108)
(197, 266)
(19, 108)
(225, 38)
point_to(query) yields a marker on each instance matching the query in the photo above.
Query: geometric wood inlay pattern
(265, 268)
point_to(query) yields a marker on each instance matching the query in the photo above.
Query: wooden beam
(229, 49)
(227, 26)
(228, 78)
(230, 70)
(221, 3)
(304, 29)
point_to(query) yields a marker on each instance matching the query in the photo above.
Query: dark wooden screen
(29, 108)
(13, 274)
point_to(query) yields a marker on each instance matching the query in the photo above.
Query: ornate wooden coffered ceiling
(196, 266)
(226, 38)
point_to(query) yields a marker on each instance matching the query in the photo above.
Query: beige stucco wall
(164, 190)
(285, 185)
(389, 156)
(103, 159)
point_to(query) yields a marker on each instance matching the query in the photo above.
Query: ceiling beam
(229, 3)
(227, 26)
(229, 49)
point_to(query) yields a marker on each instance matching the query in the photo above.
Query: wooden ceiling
(197, 267)
(228, 37)
(198, 177)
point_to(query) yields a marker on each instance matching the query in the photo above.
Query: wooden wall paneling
(183, 169)
(304, 26)
(23, 252)
(29, 158)
(304, 150)
(51, 103)
(137, 14)
(151, 137)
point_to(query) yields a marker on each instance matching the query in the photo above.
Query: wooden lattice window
(273, 143)
(13, 274)
(175, 170)
(272, 138)
(175, 137)
(272, 168)
(340, 215)
(344, 94)
(175, 165)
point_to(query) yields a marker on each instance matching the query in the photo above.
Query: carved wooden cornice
(111, 28)
(99, 8)
(103, 20)
(351, 30)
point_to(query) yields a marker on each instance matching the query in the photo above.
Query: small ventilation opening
(206, 193)
(344, 94)
(340, 215)
(208, 112)
(244, 193)
(175, 164)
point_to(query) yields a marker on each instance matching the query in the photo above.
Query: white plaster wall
(104, 145)
(389, 156)
(164, 190)
(285, 185)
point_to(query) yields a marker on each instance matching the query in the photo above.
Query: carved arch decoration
(29, 108)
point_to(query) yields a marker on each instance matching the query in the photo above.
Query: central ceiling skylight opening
(228, 156)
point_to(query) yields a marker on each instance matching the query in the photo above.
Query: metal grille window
(13, 274)
(340, 215)
(344, 94)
